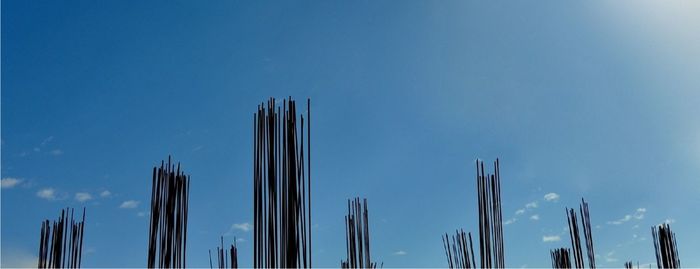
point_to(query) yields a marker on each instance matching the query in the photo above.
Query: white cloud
(620, 221)
(510, 221)
(56, 152)
(609, 257)
(551, 197)
(129, 204)
(531, 205)
(47, 193)
(142, 214)
(551, 238)
(46, 141)
(638, 214)
(105, 193)
(82, 196)
(9, 182)
(669, 221)
(246, 227)
(400, 253)
(535, 217)
(520, 212)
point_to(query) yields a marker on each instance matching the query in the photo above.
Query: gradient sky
(577, 98)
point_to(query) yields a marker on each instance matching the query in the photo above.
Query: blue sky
(578, 98)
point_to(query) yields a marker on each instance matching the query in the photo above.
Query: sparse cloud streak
(551, 197)
(551, 238)
(129, 204)
(10, 182)
(47, 193)
(83, 196)
(400, 253)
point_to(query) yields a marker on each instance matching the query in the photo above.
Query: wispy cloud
(609, 257)
(56, 152)
(520, 212)
(82, 196)
(105, 193)
(10, 182)
(638, 214)
(47, 193)
(531, 205)
(551, 238)
(46, 141)
(129, 204)
(669, 221)
(551, 197)
(510, 221)
(246, 227)
(535, 217)
(400, 253)
(142, 214)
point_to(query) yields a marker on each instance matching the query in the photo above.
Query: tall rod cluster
(281, 186)
(225, 258)
(490, 217)
(357, 236)
(665, 247)
(575, 237)
(560, 258)
(167, 236)
(587, 232)
(61, 242)
(458, 252)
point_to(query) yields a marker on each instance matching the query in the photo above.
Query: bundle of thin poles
(225, 259)
(61, 242)
(630, 265)
(490, 217)
(281, 187)
(587, 232)
(575, 237)
(560, 258)
(665, 247)
(167, 236)
(457, 251)
(357, 236)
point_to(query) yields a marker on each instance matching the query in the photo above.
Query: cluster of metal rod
(61, 242)
(575, 235)
(490, 217)
(665, 247)
(630, 265)
(560, 258)
(357, 236)
(281, 187)
(587, 232)
(457, 251)
(225, 259)
(575, 238)
(167, 236)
